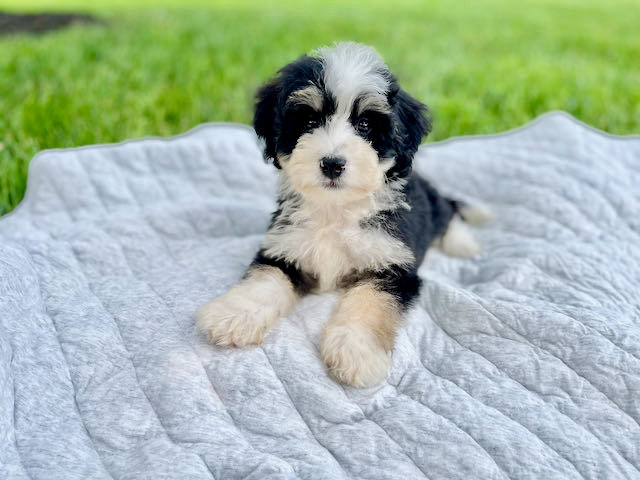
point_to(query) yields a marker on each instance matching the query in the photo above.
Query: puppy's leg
(457, 240)
(474, 214)
(359, 338)
(243, 315)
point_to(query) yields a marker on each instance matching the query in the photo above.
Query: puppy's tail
(473, 214)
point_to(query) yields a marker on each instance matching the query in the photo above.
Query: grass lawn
(159, 68)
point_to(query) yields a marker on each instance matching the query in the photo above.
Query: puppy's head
(338, 124)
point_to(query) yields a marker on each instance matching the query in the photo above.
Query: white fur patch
(328, 241)
(373, 103)
(363, 172)
(458, 240)
(351, 70)
(245, 313)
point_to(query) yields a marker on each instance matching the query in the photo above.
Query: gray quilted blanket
(522, 362)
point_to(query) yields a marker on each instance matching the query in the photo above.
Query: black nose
(332, 167)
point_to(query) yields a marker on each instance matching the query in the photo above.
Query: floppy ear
(412, 123)
(265, 118)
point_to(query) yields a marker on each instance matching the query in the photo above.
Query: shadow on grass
(11, 23)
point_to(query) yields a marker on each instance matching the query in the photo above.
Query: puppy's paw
(359, 339)
(476, 214)
(228, 324)
(458, 241)
(243, 316)
(354, 355)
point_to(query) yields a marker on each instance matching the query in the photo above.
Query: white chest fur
(331, 243)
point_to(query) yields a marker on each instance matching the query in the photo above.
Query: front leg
(359, 338)
(243, 315)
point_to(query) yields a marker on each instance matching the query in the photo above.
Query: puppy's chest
(331, 249)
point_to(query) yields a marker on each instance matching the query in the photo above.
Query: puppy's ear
(265, 118)
(412, 123)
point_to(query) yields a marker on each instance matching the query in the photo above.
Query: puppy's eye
(311, 123)
(363, 126)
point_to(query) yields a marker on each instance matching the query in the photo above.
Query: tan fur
(310, 95)
(245, 313)
(374, 102)
(360, 336)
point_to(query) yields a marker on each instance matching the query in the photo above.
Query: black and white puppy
(351, 216)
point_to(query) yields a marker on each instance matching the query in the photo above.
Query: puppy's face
(338, 124)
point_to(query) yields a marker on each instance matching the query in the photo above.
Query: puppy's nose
(332, 167)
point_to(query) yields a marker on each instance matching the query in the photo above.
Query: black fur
(280, 136)
(428, 218)
(403, 283)
(418, 228)
(412, 124)
(302, 282)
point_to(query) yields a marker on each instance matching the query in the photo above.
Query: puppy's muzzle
(332, 167)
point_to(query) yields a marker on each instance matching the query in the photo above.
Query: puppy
(351, 216)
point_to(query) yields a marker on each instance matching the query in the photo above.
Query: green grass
(159, 68)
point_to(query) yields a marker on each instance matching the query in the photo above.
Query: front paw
(243, 315)
(354, 355)
(230, 323)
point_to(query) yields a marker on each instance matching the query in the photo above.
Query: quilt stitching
(168, 251)
(453, 424)
(134, 369)
(497, 410)
(13, 418)
(15, 440)
(559, 359)
(204, 369)
(631, 463)
(286, 390)
(202, 365)
(490, 407)
(370, 419)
